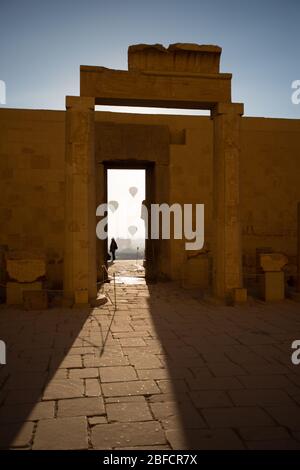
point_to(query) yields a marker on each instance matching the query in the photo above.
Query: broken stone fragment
(178, 57)
(271, 262)
(25, 266)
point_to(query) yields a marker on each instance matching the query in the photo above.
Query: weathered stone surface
(16, 435)
(93, 420)
(128, 412)
(25, 266)
(143, 360)
(117, 374)
(195, 92)
(227, 260)
(80, 242)
(272, 286)
(63, 388)
(127, 435)
(61, 434)
(241, 390)
(273, 261)
(177, 57)
(80, 407)
(32, 170)
(126, 399)
(137, 387)
(92, 387)
(84, 373)
(29, 412)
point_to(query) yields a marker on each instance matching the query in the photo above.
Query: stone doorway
(148, 262)
(182, 76)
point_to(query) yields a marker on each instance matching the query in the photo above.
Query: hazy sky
(43, 43)
(125, 194)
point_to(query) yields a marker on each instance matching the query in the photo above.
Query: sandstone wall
(32, 180)
(32, 147)
(270, 189)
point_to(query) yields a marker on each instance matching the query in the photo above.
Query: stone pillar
(227, 259)
(80, 284)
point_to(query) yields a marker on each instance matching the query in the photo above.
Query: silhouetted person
(113, 247)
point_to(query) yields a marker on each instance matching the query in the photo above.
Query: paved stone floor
(127, 268)
(166, 370)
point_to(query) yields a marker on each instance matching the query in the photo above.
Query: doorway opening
(126, 230)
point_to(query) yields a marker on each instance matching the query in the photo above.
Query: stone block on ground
(15, 290)
(272, 286)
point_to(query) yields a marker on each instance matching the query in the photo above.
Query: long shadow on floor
(214, 357)
(36, 347)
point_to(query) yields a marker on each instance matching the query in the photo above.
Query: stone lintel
(228, 108)
(152, 88)
(80, 103)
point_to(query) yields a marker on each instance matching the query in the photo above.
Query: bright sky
(43, 43)
(125, 194)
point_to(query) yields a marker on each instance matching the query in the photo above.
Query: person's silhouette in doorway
(113, 247)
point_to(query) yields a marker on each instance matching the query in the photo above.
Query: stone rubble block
(25, 266)
(273, 262)
(15, 291)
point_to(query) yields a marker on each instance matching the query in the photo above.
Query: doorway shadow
(185, 332)
(40, 347)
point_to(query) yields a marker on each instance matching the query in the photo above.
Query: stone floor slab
(63, 388)
(61, 434)
(128, 412)
(80, 407)
(117, 374)
(127, 435)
